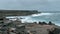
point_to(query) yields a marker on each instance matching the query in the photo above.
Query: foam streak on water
(54, 17)
(41, 14)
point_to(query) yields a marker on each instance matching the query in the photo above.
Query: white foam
(28, 18)
(41, 14)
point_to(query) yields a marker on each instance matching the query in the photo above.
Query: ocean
(54, 17)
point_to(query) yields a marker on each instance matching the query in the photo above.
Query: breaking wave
(41, 14)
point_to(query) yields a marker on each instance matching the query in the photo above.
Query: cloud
(43, 5)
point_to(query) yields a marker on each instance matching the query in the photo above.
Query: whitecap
(41, 14)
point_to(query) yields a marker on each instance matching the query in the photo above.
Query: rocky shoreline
(17, 27)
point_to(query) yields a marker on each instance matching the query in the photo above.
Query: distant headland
(17, 12)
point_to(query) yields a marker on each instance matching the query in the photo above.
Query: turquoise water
(54, 17)
(44, 16)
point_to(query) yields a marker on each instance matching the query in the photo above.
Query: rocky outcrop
(17, 12)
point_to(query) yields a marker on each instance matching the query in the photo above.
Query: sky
(41, 5)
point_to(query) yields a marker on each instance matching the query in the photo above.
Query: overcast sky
(42, 5)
